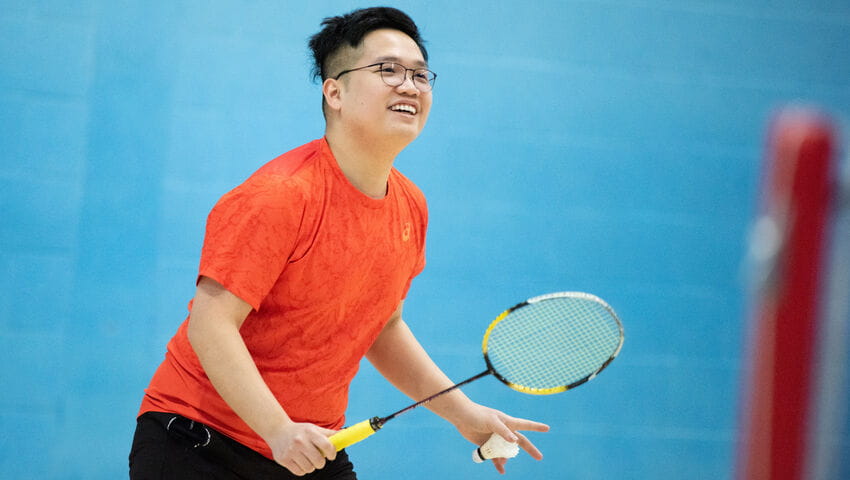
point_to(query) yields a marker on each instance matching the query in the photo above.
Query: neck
(365, 164)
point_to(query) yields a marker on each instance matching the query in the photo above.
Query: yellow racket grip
(355, 433)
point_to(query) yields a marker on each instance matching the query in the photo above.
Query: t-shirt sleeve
(421, 208)
(416, 271)
(250, 236)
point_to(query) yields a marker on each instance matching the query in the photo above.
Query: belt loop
(168, 427)
(209, 437)
(191, 428)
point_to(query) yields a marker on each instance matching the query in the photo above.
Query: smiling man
(303, 272)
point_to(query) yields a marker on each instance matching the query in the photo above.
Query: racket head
(552, 343)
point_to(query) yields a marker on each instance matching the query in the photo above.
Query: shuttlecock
(495, 447)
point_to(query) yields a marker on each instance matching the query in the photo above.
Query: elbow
(193, 331)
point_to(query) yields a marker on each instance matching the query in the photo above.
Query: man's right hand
(302, 447)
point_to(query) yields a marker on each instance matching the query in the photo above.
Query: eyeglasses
(394, 74)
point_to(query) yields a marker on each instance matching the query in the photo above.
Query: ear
(332, 91)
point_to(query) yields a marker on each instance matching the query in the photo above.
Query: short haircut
(345, 33)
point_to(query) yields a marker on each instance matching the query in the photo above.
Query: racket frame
(541, 298)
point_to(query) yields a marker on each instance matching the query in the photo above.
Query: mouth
(405, 108)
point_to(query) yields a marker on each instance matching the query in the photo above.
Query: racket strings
(554, 342)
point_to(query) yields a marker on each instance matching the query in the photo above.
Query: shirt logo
(405, 234)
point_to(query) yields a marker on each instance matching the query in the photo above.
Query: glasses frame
(384, 78)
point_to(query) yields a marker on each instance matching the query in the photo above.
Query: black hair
(349, 29)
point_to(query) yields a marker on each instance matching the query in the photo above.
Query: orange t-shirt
(323, 266)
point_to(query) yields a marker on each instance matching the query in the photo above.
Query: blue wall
(596, 145)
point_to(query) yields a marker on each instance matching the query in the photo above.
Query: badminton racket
(545, 345)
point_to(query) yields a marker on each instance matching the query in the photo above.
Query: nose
(408, 85)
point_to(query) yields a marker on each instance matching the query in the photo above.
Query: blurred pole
(789, 251)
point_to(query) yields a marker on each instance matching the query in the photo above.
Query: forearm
(400, 358)
(234, 375)
(214, 335)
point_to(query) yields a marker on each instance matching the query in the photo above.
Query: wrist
(454, 407)
(273, 428)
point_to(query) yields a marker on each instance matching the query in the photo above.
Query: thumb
(324, 444)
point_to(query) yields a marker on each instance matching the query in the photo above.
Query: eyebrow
(389, 58)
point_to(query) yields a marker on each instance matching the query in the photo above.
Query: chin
(406, 134)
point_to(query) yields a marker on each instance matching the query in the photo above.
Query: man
(303, 271)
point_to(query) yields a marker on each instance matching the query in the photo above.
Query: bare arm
(213, 331)
(399, 357)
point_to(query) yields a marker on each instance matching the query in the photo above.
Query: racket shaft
(355, 433)
(351, 435)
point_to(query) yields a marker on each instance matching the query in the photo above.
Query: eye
(389, 68)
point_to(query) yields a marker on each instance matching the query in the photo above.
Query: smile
(403, 107)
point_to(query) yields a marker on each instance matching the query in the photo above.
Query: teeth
(404, 108)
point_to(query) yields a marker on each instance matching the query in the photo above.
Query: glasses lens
(395, 74)
(423, 78)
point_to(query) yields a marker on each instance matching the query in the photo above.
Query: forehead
(386, 45)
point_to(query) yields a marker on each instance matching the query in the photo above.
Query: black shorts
(168, 446)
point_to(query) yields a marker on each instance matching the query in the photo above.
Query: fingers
(508, 428)
(525, 444)
(499, 463)
(305, 448)
(325, 446)
(516, 424)
(304, 461)
(303, 464)
(527, 425)
(504, 431)
(520, 439)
